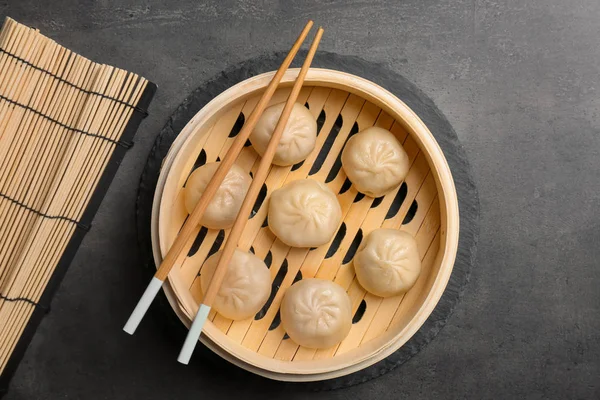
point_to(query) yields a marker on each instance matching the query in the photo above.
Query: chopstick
(242, 218)
(194, 219)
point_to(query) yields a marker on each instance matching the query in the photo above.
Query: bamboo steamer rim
(380, 347)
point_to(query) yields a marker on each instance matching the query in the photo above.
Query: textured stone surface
(517, 80)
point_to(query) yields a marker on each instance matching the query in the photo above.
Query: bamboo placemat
(65, 124)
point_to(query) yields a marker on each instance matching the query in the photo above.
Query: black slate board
(423, 106)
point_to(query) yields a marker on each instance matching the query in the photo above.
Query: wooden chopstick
(242, 218)
(194, 219)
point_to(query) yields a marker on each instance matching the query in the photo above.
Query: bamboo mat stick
(9, 166)
(188, 229)
(32, 244)
(84, 144)
(7, 287)
(66, 210)
(115, 124)
(97, 147)
(55, 244)
(10, 72)
(76, 140)
(21, 42)
(41, 99)
(19, 185)
(23, 96)
(60, 251)
(45, 79)
(18, 74)
(44, 130)
(242, 217)
(75, 103)
(61, 118)
(57, 137)
(31, 239)
(11, 77)
(19, 79)
(98, 167)
(8, 187)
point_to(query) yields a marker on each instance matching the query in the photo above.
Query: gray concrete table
(518, 80)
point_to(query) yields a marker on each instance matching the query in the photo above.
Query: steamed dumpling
(297, 140)
(374, 161)
(226, 203)
(304, 213)
(387, 263)
(245, 288)
(316, 313)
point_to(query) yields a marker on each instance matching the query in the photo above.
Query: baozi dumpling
(374, 161)
(227, 201)
(316, 313)
(297, 140)
(245, 288)
(304, 213)
(387, 262)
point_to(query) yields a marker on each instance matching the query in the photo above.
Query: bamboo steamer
(424, 205)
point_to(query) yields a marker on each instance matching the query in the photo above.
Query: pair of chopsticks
(242, 218)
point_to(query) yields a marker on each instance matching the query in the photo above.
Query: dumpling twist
(374, 161)
(226, 203)
(297, 140)
(304, 213)
(245, 288)
(316, 313)
(387, 262)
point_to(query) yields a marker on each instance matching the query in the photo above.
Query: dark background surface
(519, 82)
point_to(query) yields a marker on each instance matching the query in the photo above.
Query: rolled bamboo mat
(65, 125)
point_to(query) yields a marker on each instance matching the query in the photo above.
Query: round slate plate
(424, 107)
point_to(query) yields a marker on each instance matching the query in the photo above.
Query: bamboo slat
(62, 117)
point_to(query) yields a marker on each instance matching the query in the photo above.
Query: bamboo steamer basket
(425, 205)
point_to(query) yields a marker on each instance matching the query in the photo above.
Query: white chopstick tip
(193, 335)
(143, 305)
